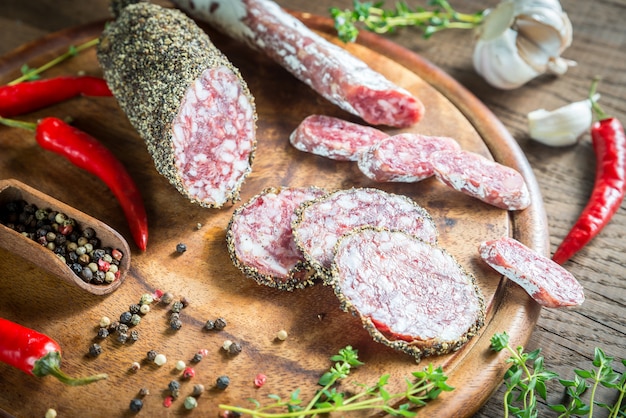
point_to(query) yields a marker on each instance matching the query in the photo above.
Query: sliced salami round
(547, 282)
(409, 294)
(484, 179)
(404, 157)
(320, 223)
(260, 240)
(334, 138)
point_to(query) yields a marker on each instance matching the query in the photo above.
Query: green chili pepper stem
(49, 365)
(69, 54)
(18, 124)
(594, 103)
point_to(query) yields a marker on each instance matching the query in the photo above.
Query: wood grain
(204, 274)
(565, 175)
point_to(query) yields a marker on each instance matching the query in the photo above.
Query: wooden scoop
(43, 257)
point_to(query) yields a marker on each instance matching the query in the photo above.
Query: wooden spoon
(44, 258)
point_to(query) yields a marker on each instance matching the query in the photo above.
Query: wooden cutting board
(204, 274)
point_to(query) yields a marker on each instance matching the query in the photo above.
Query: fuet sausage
(330, 70)
(184, 98)
(334, 138)
(544, 280)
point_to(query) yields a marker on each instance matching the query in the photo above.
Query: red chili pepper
(35, 353)
(85, 152)
(32, 95)
(609, 144)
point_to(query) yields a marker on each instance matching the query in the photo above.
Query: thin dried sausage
(334, 138)
(403, 157)
(481, 178)
(330, 70)
(544, 280)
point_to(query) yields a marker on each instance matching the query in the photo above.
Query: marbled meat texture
(334, 138)
(185, 99)
(320, 223)
(409, 294)
(330, 70)
(481, 178)
(544, 280)
(403, 158)
(260, 240)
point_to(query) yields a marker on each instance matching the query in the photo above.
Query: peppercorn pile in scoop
(78, 247)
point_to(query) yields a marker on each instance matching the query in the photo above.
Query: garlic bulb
(563, 126)
(520, 40)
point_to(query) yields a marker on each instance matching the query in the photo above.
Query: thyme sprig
(29, 74)
(525, 382)
(375, 18)
(425, 385)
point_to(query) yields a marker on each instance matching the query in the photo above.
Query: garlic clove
(560, 127)
(498, 61)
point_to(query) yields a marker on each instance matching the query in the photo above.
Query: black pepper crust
(150, 56)
(418, 348)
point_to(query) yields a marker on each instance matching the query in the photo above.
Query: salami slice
(185, 99)
(334, 138)
(484, 179)
(409, 294)
(260, 240)
(321, 222)
(331, 71)
(547, 282)
(404, 157)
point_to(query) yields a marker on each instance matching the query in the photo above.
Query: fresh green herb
(525, 383)
(425, 385)
(377, 19)
(29, 74)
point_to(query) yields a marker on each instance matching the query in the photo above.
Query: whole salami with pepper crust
(334, 138)
(260, 239)
(321, 222)
(403, 158)
(184, 97)
(331, 71)
(544, 280)
(409, 294)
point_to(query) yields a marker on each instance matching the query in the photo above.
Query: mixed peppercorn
(79, 247)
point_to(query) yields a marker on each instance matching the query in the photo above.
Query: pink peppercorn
(103, 265)
(188, 373)
(260, 380)
(167, 402)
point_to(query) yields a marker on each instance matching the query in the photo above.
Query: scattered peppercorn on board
(203, 274)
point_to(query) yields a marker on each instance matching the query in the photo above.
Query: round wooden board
(204, 273)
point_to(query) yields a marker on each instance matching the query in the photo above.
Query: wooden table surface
(565, 175)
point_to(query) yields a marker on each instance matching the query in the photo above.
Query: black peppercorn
(103, 333)
(209, 325)
(126, 317)
(181, 248)
(174, 385)
(136, 405)
(222, 382)
(151, 355)
(220, 324)
(95, 350)
(234, 348)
